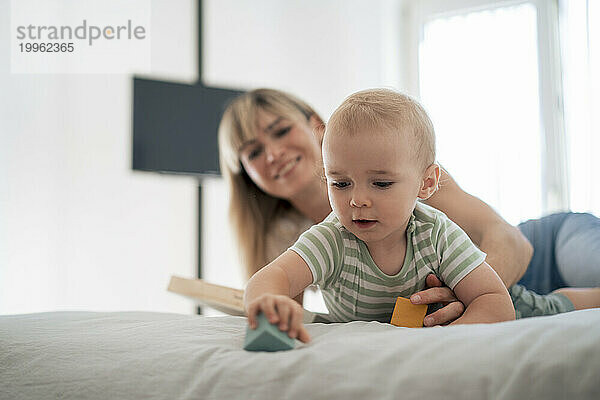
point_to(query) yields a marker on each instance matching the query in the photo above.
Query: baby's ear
(431, 179)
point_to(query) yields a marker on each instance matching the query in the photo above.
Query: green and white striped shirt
(354, 288)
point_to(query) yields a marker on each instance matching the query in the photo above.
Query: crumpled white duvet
(140, 355)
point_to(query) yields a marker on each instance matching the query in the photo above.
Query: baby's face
(373, 183)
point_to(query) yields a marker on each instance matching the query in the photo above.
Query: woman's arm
(436, 292)
(485, 297)
(508, 251)
(271, 290)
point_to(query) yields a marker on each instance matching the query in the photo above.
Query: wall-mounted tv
(175, 126)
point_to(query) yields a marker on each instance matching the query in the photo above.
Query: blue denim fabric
(566, 252)
(578, 250)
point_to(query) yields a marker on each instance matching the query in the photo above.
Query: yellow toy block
(407, 314)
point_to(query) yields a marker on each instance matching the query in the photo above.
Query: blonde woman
(270, 154)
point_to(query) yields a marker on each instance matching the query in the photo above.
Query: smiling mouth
(287, 167)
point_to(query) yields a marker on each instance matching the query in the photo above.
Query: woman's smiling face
(285, 155)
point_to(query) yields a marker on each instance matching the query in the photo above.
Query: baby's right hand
(280, 310)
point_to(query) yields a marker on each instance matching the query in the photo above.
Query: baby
(380, 242)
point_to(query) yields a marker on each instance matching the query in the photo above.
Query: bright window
(580, 42)
(480, 80)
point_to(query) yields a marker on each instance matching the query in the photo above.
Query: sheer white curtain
(479, 81)
(580, 49)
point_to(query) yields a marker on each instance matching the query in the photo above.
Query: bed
(142, 355)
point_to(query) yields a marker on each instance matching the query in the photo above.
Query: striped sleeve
(321, 247)
(457, 255)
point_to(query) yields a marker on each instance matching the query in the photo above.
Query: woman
(269, 144)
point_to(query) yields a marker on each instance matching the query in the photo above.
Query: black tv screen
(175, 126)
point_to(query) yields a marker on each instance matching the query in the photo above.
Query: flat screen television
(175, 126)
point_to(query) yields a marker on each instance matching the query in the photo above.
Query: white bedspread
(135, 355)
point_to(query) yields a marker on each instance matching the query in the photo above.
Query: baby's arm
(272, 289)
(485, 297)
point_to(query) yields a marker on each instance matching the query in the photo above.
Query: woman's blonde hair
(251, 210)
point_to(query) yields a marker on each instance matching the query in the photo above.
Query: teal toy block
(267, 337)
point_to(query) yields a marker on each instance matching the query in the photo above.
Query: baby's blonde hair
(385, 110)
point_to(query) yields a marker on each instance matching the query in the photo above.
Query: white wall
(320, 50)
(78, 228)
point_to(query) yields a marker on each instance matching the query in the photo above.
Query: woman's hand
(280, 310)
(438, 293)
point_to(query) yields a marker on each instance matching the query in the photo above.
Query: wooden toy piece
(407, 314)
(267, 337)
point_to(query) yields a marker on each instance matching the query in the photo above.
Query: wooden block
(267, 337)
(407, 314)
